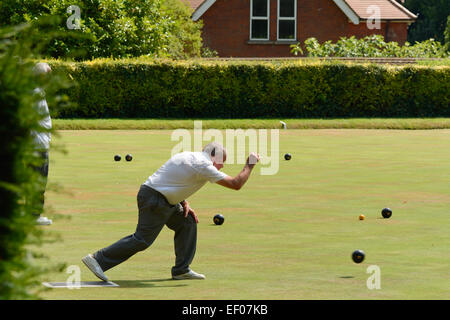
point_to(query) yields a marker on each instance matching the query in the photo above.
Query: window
(259, 19)
(287, 20)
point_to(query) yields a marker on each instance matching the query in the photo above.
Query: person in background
(42, 138)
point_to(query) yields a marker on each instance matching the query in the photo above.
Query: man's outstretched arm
(238, 181)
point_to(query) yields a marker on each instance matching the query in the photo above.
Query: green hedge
(21, 266)
(19, 183)
(232, 89)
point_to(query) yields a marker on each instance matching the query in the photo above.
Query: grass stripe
(167, 124)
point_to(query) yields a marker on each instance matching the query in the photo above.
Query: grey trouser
(43, 170)
(154, 213)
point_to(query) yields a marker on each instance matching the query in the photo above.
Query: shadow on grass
(149, 283)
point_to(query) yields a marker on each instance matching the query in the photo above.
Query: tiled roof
(389, 9)
(194, 3)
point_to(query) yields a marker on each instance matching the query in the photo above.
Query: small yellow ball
(362, 217)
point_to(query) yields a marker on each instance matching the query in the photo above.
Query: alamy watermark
(74, 280)
(233, 140)
(74, 21)
(374, 20)
(374, 281)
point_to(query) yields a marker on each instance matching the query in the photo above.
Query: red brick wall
(392, 31)
(227, 27)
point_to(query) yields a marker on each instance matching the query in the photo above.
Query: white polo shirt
(183, 175)
(42, 139)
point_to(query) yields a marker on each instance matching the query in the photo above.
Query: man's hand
(237, 182)
(252, 159)
(188, 210)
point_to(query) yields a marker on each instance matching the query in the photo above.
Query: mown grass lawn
(171, 124)
(285, 236)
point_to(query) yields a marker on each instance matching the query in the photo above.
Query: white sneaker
(93, 265)
(189, 276)
(43, 221)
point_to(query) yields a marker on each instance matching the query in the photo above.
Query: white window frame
(267, 18)
(287, 18)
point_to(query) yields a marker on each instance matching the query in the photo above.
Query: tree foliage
(447, 35)
(185, 39)
(113, 28)
(432, 19)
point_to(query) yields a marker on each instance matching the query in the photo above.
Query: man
(43, 137)
(162, 201)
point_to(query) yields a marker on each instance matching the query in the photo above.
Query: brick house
(266, 28)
